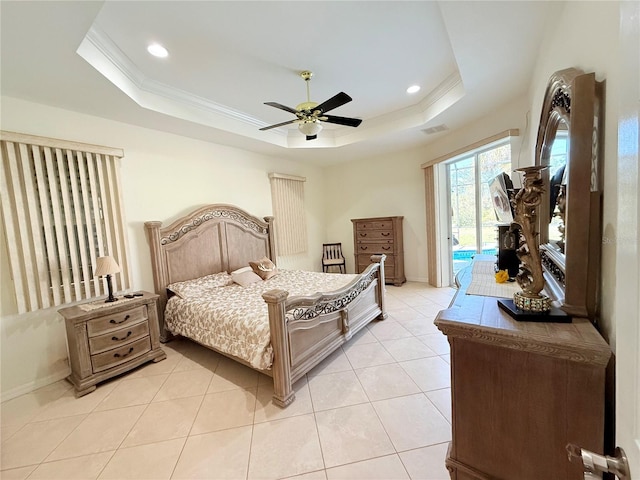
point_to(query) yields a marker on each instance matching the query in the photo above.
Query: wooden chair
(332, 257)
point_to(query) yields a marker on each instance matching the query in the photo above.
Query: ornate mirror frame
(572, 276)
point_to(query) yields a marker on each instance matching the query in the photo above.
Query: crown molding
(101, 52)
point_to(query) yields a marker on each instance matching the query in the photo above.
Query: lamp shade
(106, 266)
(310, 128)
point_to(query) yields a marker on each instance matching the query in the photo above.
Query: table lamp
(107, 266)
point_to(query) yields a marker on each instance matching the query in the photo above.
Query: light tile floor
(377, 408)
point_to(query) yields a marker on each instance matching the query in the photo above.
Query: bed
(302, 329)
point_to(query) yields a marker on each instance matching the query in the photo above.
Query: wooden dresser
(521, 391)
(380, 235)
(109, 340)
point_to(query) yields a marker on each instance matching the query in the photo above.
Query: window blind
(62, 209)
(287, 196)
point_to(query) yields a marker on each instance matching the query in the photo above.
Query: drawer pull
(363, 234)
(386, 234)
(117, 355)
(116, 339)
(121, 321)
(363, 248)
(386, 248)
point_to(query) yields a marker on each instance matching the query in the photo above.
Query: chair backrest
(332, 251)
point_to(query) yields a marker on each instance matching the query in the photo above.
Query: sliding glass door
(473, 219)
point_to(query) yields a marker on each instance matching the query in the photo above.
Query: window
(439, 208)
(473, 218)
(62, 209)
(287, 195)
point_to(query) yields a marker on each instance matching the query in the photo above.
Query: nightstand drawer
(111, 323)
(123, 354)
(119, 337)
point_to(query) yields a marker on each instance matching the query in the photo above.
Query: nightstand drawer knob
(117, 355)
(363, 248)
(116, 339)
(121, 321)
(363, 234)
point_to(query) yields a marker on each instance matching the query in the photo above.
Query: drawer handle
(117, 355)
(116, 339)
(363, 248)
(386, 248)
(386, 234)
(121, 321)
(363, 234)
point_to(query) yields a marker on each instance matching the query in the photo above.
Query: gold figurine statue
(530, 277)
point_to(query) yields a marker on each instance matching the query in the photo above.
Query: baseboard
(418, 279)
(36, 384)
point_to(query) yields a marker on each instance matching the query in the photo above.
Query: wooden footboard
(306, 329)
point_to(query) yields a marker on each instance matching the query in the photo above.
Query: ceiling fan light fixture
(310, 128)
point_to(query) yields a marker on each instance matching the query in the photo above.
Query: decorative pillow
(243, 269)
(198, 286)
(264, 268)
(245, 276)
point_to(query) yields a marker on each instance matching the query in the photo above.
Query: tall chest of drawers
(373, 236)
(107, 340)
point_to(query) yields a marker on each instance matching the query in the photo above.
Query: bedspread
(235, 319)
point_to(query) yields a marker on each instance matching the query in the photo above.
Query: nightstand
(106, 340)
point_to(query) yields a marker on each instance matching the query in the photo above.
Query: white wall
(394, 185)
(587, 37)
(163, 176)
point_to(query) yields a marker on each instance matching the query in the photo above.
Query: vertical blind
(287, 195)
(62, 209)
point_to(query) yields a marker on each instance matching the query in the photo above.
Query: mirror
(558, 176)
(570, 224)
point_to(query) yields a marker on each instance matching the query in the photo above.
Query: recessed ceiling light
(157, 50)
(413, 89)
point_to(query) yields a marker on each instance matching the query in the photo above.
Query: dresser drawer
(375, 225)
(112, 358)
(365, 260)
(372, 248)
(369, 235)
(115, 339)
(111, 323)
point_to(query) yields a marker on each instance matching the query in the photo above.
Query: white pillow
(245, 277)
(243, 269)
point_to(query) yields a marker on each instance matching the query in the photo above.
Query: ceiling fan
(309, 114)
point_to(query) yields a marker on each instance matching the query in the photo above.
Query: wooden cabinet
(521, 391)
(105, 340)
(380, 235)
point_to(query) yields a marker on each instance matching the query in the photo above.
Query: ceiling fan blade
(349, 122)
(281, 107)
(312, 137)
(279, 124)
(334, 102)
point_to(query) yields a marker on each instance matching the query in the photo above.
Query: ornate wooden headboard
(211, 239)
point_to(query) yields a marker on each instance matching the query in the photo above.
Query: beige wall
(33, 350)
(163, 177)
(585, 36)
(394, 185)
